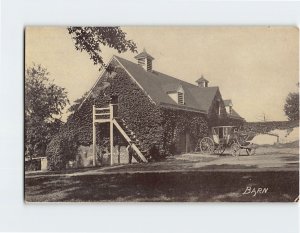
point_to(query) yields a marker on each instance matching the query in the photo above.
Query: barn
(158, 114)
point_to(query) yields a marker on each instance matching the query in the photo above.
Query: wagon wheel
(235, 149)
(219, 149)
(206, 145)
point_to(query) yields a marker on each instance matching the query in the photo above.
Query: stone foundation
(84, 158)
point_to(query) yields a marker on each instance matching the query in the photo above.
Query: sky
(255, 67)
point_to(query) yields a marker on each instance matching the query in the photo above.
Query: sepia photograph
(161, 114)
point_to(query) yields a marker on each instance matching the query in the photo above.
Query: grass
(169, 186)
(191, 177)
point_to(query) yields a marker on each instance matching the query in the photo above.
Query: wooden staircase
(106, 115)
(130, 136)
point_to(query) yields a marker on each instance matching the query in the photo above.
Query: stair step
(131, 136)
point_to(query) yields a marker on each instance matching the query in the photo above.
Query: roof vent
(145, 60)
(202, 82)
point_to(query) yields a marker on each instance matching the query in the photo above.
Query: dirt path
(266, 159)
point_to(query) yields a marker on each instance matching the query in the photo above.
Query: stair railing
(102, 115)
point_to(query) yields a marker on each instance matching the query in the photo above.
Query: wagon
(226, 137)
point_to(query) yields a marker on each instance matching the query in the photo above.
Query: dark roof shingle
(157, 85)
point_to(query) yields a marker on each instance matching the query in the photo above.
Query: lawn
(189, 177)
(166, 186)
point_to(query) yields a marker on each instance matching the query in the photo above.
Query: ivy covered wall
(141, 115)
(158, 128)
(179, 122)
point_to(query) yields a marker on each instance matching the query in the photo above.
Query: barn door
(184, 144)
(181, 144)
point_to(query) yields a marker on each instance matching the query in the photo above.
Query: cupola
(145, 60)
(202, 82)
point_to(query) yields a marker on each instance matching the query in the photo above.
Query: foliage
(157, 129)
(135, 108)
(291, 107)
(33, 165)
(44, 102)
(90, 38)
(178, 122)
(62, 148)
(265, 127)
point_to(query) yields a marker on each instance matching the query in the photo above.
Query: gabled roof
(234, 114)
(204, 96)
(157, 85)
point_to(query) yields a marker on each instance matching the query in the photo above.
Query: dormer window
(180, 98)
(228, 106)
(176, 93)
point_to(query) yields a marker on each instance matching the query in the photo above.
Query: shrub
(62, 148)
(33, 165)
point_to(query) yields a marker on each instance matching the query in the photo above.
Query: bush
(33, 165)
(62, 148)
(265, 127)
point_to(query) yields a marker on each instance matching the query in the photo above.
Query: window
(218, 108)
(114, 99)
(221, 133)
(180, 98)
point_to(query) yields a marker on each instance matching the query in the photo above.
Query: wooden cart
(226, 137)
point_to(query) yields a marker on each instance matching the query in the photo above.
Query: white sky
(255, 67)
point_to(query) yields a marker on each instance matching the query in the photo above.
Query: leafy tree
(291, 107)
(89, 39)
(44, 102)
